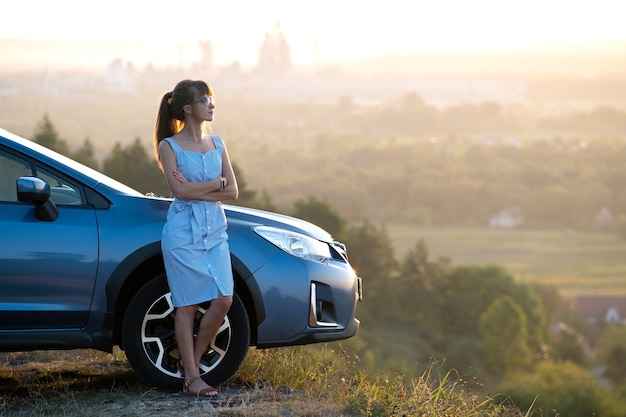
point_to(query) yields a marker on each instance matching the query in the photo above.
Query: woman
(194, 243)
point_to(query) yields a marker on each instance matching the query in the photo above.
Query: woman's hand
(179, 176)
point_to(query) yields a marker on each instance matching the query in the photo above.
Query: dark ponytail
(171, 114)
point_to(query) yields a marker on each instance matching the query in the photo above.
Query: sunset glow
(325, 30)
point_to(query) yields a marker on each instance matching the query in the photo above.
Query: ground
(90, 383)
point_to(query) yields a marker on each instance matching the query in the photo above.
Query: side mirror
(38, 191)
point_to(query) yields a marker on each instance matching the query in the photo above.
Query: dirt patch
(91, 383)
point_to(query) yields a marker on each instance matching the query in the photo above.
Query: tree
(417, 266)
(85, 155)
(611, 352)
(467, 291)
(503, 327)
(550, 298)
(115, 165)
(418, 281)
(615, 359)
(47, 136)
(321, 213)
(248, 197)
(371, 254)
(569, 345)
(562, 389)
(133, 167)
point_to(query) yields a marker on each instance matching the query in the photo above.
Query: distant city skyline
(324, 30)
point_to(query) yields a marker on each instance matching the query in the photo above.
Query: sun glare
(323, 29)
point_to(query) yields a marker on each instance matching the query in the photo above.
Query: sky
(322, 30)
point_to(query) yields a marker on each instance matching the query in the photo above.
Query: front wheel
(150, 343)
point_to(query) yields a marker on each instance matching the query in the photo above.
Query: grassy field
(575, 262)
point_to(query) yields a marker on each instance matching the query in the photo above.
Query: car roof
(88, 175)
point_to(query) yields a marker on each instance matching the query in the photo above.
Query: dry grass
(311, 381)
(92, 383)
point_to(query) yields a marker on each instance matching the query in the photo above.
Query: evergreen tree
(46, 135)
(134, 167)
(85, 155)
(371, 254)
(321, 213)
(248, 197)
(419, 282)
(115, 164)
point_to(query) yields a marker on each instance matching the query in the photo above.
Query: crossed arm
(207, 190)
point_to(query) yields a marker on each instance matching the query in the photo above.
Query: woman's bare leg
(191, 351)
(210, 324)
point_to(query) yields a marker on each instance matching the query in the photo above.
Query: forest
(400, 161)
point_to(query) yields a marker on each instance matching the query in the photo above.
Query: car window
(11, 168)
(61, 191)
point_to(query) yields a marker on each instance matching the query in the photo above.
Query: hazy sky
(342, 29)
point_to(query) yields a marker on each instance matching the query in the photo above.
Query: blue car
(81, 267)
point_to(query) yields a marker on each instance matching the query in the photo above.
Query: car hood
(279, 220)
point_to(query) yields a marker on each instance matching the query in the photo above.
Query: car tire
(150, 343)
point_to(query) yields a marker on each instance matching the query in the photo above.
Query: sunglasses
(206, 100)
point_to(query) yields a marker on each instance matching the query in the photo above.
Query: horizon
(320, 33)
(592, 58)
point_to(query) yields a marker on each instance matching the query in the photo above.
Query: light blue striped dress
(194, 241)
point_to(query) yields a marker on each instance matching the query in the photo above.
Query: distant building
(603, 218)
(206, 67)
(507, 218)
(275, 53)
(601, 309)
(121, 78)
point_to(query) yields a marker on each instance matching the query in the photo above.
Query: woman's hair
(171, 117)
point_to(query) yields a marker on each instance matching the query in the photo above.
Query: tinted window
(11, 168)
(61, 191)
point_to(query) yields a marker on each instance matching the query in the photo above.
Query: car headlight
(297, 244)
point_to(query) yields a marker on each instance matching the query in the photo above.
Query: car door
(47, 268)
